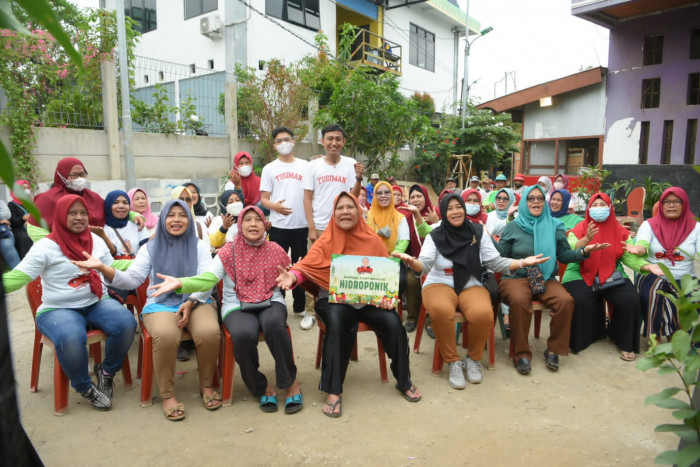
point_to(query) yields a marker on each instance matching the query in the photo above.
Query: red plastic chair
(228, 364)
(60, 380)
(635, 207)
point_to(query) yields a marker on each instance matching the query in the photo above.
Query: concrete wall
(576, 113)
(625, 74)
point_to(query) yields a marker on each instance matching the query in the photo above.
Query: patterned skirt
(659, 313)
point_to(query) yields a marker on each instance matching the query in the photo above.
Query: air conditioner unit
(210, 26)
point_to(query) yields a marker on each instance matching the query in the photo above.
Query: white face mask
(558, 185)
(473, 209)
(77, 184)
(28, 191)
(245, 170)
(234, 208)
(285, 148)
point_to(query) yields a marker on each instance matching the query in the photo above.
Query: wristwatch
(194, 302)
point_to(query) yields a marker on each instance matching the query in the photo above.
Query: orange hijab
(360, 240)
(379, 217)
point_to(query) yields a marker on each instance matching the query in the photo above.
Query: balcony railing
(376, 51)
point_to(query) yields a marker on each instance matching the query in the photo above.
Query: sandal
(333, 405)
(412, 390)
(429, 331)
(171, 413)
(293, 404)
(268, 404)
(628, 356)
(215, 398)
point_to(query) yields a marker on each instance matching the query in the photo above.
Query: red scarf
(481, 216)
(603, 262)
(72, 245)
(249, 184)
(672, 232)
(253, 268)
(46, 202)
(428, 203)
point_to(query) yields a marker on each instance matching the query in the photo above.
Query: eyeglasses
(535, 199)
(383, 193)
(501, 198)
(283, 140)
(672, 202)
(80, 175)
(78, 213)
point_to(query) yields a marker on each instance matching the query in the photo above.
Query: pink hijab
(151, 219)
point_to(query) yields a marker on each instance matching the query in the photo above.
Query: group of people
(277, 232)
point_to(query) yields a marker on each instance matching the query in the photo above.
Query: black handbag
(615, 279)
(536, 279)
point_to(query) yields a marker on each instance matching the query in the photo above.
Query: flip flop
(628, 356)
(293, 404)
(268, 404)
(171, 412)
(215, 398)
(333, 405)
(412, 390)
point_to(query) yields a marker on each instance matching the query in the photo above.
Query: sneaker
(104, 382)
(456, 379)
(308, 322)
(474, 370)
(182, 354)
(98, 399)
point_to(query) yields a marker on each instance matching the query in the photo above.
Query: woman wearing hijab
(362, 199)
(173, 251)
(389, 223)
(74, 298)
(223, 228)
(201, 214)
(243, 178)
(418, 197)
(200, 229)
(123, 234)
(534, 231)
(546, 184)
(347, 234)
(505, 210)
(671, 238)
(559, 201)
(18, 221)
(141, 205)
(581, 281)
(252, 303)
(452, 258)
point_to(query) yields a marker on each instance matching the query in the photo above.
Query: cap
(374, 177)
(519, 177)
(474, 179)
(501, 177)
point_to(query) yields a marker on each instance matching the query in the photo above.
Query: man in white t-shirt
(328, 177)
(282, 192)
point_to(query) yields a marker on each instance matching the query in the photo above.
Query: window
(422, 48)
(693, 89)
(653, 50)
(651, 93)
(644, 143)
(691, 137)
(145, 79)
(304, 13)
(667, 142)
(143, 12)
(695, 44)
(193, 68)
(199, 7)
(210, 63)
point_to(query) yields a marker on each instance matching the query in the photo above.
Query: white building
(423, 36)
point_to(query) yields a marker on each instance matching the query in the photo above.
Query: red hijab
(399, 190)
(46, 202)
(365, 204)
(602, 262)
(481, 216)
(72, 245)
(249, 184)
(414, 244)
(428, 203)
(23, 184)
(672, 232)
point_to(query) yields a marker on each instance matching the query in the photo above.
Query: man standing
(373, 180)
(282, 192)
(474, 185)
(328, 177)
(518, 183)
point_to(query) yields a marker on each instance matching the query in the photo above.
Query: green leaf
(7, 172)
(669, 427)
(662, 396)
(683, 458)
(41, 12)
(681, 344)
(671, 403)
(647, 363)
(666, 369)
(8, 19)
(685, 414)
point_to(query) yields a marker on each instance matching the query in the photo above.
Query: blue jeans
(7, 248)
(66, 327)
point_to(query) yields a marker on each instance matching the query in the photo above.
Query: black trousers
(294, 240)
(588, 320)
(341, 322)
(244, 328)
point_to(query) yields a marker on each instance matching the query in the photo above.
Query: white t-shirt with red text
(328, 181)
(286, 181)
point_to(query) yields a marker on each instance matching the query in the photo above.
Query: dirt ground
(589, 413)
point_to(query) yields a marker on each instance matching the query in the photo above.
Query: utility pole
(127, 130)
(465, 82)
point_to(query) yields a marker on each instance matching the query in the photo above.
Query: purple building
(653, 87)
